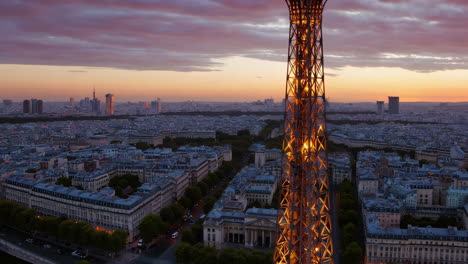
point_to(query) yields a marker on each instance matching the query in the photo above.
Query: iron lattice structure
(304, 234)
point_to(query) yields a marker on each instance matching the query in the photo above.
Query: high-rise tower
(109, 104)
(380, 107)
(304, 217)
(393, 105)
(26, 106)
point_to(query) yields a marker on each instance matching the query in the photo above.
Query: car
(47, 246)
(175, 235)
(60, 251)
(140, 243)
(30, 240)
(79, 254)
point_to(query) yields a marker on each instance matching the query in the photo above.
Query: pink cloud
(187, 35)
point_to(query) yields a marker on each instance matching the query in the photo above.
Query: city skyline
(128, 50)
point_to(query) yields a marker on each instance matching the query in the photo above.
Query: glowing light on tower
(304, 217)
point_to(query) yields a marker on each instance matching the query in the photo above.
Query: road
(335, 225)
(152, 257)
(164, 251)
(48, 253)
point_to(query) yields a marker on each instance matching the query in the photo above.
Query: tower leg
(304, 217)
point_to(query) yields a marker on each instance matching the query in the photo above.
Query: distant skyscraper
(380, 107)
(33, 106)
(156, 106)
(39, 107)
(95, 103)
(85, 104)
(26, 106)
(393, 105)
(96, 106)
(269, 104)
(109, 104)
(72, 102)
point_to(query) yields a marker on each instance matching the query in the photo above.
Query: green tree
(407, 220)
(204, 254)
(13, 214)
(121, 182)
(5, 209)
(31, 170)
(65, 181)
(208, 204)
(50, 225)
(24, 218)
(213, 177)
(255, 204)
(348, 204)
(230, 256)
(82, 262)
(150, 227)
(185, 201)
(353, 254)
(65, 230)
(101, 239)
(209, 182)
(197, 231)
(167, 215)
(142, 146)
(203, 187)
(256, 257)
(346, 216)
(218, 193)
(242, 255)
(347, 196)
(193, 193)
(445, 221)
(422, 162)
(188, 237)
(244, 132)
(85, 235)
(268, 257)
(183, 253)
(118, 240)
(78, 230)
(348, 233)
(347, 187)
(177, 210)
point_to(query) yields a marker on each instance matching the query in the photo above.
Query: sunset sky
(228, 50)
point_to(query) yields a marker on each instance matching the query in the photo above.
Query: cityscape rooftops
(374, 230)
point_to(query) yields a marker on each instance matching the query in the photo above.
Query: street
(164, 251)
(19, 239)
(335, 225)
